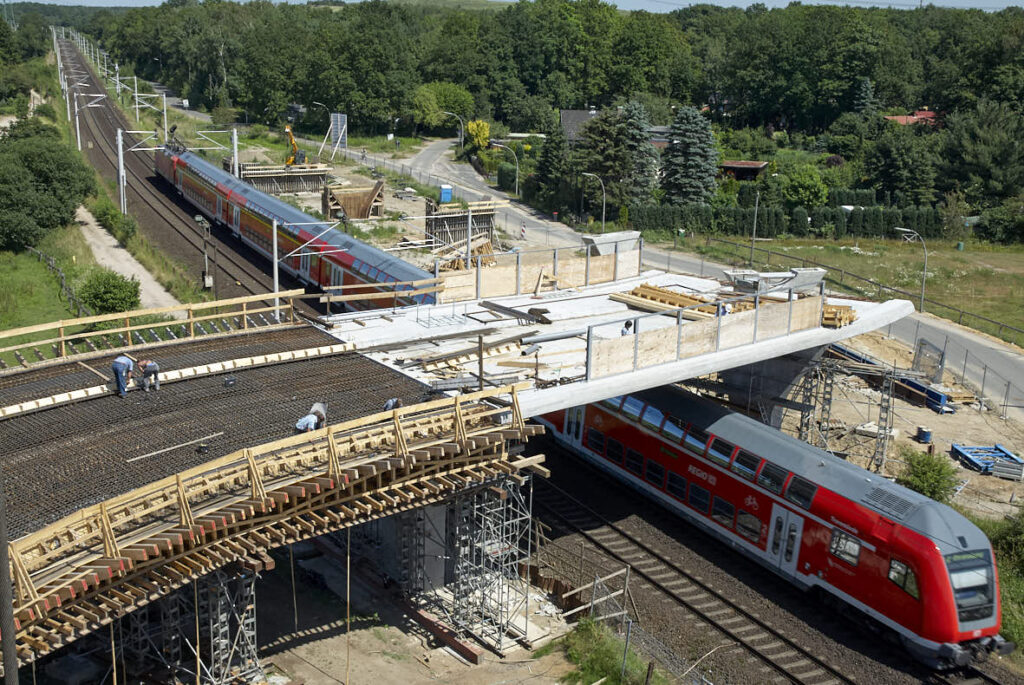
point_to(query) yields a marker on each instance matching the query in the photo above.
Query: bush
(107, 292)
(507, 176)
(257, 131)
(224, 116)
(46, 110)
(932, 475)
(121, 226)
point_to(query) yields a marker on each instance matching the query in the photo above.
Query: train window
(720, 451)
(676, 485)
(772, 477)
(790, 542)
(634, 462)
(748, 525)
(777, 536)
(722, 512)
(746, 464)
(901, 574)
(632, 407)
(673, 429)
(595, 440)
(614, 451)
(801, 492)
(699, 498)
(845, 546)
(613, 403)
(697, 439)
(655, 473)
(652, 418)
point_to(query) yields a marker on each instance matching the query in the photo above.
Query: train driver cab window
(696, 439)
(674, 429)
(614, 451)
(652, 418)
(801, 492)
(772, 477)
(901, 574)
(720, 451)
(632, 408)
(595, 440)
(845, 546)
(746, 464)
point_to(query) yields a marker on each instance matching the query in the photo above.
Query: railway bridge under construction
(115, 506)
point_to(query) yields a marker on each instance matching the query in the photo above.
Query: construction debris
(837, 315)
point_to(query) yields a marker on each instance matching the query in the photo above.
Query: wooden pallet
(837, 315)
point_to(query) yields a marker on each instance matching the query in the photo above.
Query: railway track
(243, 275)
(689, 593)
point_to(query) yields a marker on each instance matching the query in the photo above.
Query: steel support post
(164, 97)
(234, 153)
(78, 130)
(120, 172)
(8, 637)
(136, 98)
(590, 352)
(277, 289)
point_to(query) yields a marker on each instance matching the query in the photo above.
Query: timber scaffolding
(110, 559)
(339, 202)
(279, 178)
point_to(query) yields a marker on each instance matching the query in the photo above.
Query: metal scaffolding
(223, 634)
(412, 538)
(489, 537)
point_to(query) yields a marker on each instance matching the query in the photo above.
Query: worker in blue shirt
(315, 419)
(122, 369)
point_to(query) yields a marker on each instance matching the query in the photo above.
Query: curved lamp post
(514, 156)
(910, 236)
(462, 129)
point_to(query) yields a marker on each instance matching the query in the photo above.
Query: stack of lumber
(651, 298)
(454, 256)
(837, 315)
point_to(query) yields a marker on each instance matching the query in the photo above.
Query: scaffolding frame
(490, 536)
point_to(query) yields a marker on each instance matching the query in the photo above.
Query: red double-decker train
(913, 566)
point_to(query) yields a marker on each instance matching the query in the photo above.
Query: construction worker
(122, 368)
(393, 403)
(627, 328)
(149, 371)
(314, 420)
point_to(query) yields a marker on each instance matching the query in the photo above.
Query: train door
(574, 425)
(784, 539)
(220, 208)
(304, 264)
(235, 215)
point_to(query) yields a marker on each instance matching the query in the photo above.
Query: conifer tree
(865, 101)
(691, 159)
(642, 176)
(553, 170)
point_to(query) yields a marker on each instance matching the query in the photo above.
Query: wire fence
(69, 294)
(868, 287)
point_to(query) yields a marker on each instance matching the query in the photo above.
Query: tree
(107, 292)
(954, 211)
(1005, 223)
(432, 100)
(603, 150)
(641, 178)
(900, 163)
(690, 161)
(803, 186)
(865, 101)
(479, 134)
(932, 475)
(553, 171)
(984, 153)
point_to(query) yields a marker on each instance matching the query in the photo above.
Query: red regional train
(249, 214)
(914, 566)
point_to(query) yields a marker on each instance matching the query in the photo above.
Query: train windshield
(973, 586)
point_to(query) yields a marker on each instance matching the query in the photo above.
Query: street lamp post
(910, 236)
(514, 156)
(462, 129)
(604, 196)
(753, 235)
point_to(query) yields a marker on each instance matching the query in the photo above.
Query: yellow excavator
(297, 156)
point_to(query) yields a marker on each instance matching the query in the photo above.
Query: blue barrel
(924, 435)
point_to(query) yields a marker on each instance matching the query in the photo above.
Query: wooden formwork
(80, 573)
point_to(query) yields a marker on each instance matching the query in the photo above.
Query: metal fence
(73, 302)
(872, 288)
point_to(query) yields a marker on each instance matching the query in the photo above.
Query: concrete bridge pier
(768, 388)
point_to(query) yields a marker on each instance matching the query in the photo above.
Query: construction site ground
(856, 402)
(386, 645)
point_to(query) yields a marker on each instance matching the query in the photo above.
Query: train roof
(289, 217)
(951, 531)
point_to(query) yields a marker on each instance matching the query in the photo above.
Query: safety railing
(58, 340)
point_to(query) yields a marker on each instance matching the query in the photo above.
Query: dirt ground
(855, 402)
(385, 645)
